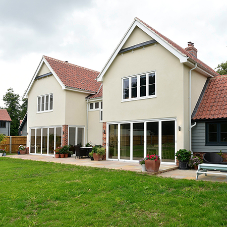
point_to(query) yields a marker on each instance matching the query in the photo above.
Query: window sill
(141, 98)
(46, 111)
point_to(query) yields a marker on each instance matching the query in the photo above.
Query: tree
(222, 68)
(12, 103)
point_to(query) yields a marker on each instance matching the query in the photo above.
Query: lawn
(50, 194)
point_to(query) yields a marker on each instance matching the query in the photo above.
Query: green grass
(49, 194)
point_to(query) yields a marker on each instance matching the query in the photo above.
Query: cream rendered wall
(43, 70)
(136, 37)
(75, 108)
(94, 127)
(57, 116)
(169, 102)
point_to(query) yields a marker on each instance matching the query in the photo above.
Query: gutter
(190, 107)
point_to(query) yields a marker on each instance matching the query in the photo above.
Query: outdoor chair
(213, 158)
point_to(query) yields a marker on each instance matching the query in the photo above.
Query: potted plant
(183, 157)
(64, 150)
(142, 163)
(152, 163)
(194, 162)
(21, 149)
(97, 153)
(3, 152)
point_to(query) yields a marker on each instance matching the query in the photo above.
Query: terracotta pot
(152, 165)
(66, 155)
(97, 157)
(57, 155)
(22, 151)
(62, 155)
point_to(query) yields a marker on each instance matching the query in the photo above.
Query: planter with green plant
(22, 149)
(183, 156)
(97, 153)
(3, 152)
(142, 163)
(57, 152)
(64, 150)
(152, 163)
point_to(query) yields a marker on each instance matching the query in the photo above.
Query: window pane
(151, 84)
(168, 141)
(125, 88)
(142, 85)
(223, 127)
(47, 102)
(152, 138)
(39, 103)
(223, 137)
(96, 105)
(212, 127)
(138, 141)
(91, 106)
(101, 115)
(51, 140)
(44, 141)
(38, 141)
(134, 87)
(42, 104)
(101, 104)
(213, 137)
(58, 137)
(113, 141)
(51, 101)
(32, 146)
(125, 141)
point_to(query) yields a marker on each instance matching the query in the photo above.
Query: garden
(51, 194)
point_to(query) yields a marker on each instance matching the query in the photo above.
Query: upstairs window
(45, 103)
(139, 87)
(216, 133)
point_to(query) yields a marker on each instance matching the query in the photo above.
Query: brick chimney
(191, 49)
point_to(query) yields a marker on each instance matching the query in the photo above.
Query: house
(151, 86)
(151, 97)
(5, 121)
(209, 117)
(63, 103)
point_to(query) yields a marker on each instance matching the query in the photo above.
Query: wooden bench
(202, 169)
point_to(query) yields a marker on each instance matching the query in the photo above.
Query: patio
(165, 170)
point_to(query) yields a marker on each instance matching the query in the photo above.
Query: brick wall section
(104, 134)
(64, 135)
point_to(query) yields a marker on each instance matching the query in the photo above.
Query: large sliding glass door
(134, 140)
(45, 140)
(76, 135)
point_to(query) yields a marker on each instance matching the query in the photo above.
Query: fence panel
(16, 141)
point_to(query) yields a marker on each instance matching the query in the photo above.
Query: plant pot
(183, 165)
(152, 165)
(66, 155)
(23, 152)
(62, 155)
(4, 154)
(57, 155)
(196, 167)
(143, 168)
(97, 157)
(18, 152)
(92, 159)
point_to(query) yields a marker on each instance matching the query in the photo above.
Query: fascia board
(78, 90)
(183, 58)
(33, 78)
(54, 74)
(114, 54)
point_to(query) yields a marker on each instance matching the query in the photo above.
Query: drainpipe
(190, 106)
(87, 124)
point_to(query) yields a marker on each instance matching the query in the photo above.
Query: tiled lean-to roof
(182, 50)
(74, 76)
(4, 116)
(213, 101)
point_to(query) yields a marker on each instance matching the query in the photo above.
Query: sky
(86, 32)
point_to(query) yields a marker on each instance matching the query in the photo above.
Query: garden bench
(202, 169)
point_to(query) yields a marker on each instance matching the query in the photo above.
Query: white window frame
(39, 103)
(138, 87)
(94, 109)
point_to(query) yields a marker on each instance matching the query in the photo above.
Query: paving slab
(164, 170)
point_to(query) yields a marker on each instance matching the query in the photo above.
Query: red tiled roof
(74, 76)
(98, 94)
(4, 116)
(182, 50)
(214, 102)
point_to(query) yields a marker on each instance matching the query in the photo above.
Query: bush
(183, 155)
